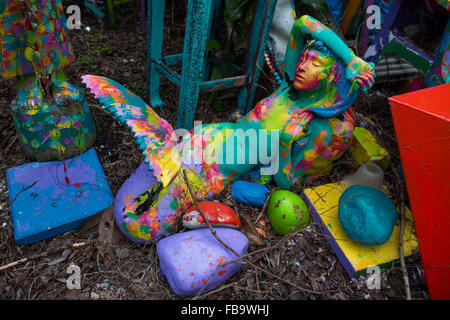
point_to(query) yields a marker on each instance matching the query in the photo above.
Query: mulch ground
(301, 267)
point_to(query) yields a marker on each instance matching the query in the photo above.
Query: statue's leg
(319, 137)
(342, 135)
(29, 92)
(63, 92)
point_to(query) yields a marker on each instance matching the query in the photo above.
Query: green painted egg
(287, 212)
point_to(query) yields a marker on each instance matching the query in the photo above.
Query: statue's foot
(63, 92)
(29, 92)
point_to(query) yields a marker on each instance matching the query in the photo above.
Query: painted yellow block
(323, 203)
(364, 148)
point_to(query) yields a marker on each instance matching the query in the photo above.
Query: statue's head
(313, 69)
(322, 73)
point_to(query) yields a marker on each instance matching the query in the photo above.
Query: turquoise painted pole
(198, 28)
(155, 29)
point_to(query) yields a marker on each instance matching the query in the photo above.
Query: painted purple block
(188, 259)
(62, 196)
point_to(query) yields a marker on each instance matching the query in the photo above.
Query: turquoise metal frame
(193, 77)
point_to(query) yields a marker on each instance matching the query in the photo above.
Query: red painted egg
(218, 214)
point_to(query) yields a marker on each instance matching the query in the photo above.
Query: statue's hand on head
(362, 72)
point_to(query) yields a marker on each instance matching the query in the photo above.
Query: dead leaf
(56, 261)
(108, 236)
(252, 234)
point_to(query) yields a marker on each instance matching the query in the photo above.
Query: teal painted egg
(287, 212)
(367, 215)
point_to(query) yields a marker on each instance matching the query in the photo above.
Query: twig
(214, 233)
(22, 190)
(402, 229)
(402, 256)
(251, 290)
(40, 255)
(224, 287)
(257, 283)
(265, 206)
(275, 246)
(239, 257)
(10, 144)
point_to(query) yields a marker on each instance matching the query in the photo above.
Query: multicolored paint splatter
(52, 132)
(39, 25)
(301, 115)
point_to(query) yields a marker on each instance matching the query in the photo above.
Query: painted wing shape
(155, 136)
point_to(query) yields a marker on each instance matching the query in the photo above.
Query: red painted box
(422, 126)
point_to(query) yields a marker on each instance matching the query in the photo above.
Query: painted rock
(189, 258)
(249, 193)
(287, 212)
(217, 214)
(367, 215)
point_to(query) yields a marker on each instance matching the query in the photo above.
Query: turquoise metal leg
(155, 29)
(260, 31)
(198, 26)
(195, 71)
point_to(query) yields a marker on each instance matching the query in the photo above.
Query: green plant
(85, 61)
(138, 88)
(98, 38)
(100, 50)
(230, 50)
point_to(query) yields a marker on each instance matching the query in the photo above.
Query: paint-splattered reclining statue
(311, 112)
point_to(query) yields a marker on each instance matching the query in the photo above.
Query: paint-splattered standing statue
(305, 125)
(33, 40)
(52, 119)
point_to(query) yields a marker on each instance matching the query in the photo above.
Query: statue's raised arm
(357, 69)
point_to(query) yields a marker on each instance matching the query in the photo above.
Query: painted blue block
(62, 196)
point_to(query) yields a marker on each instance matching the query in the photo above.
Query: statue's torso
(223, 152)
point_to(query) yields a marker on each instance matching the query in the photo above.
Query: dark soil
(306, 260)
